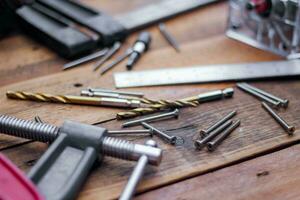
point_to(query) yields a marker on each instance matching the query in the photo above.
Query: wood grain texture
(271, 177)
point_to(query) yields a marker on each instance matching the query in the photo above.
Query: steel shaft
(48, 133)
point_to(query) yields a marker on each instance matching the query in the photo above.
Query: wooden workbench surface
(258, 161)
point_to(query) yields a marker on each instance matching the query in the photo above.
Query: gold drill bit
(70, 99)
(190, 101)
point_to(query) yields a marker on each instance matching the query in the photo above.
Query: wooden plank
(23, 58)
(275, 176)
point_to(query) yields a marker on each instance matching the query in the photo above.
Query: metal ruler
(204, 74)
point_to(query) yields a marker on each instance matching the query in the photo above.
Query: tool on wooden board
(137, 174)
(134, 53)
(169, 38)
(85, 59)
(127, 93)
(220, 130)
(288, 128)
(71, 99)
(114, 49)
(73, 151)
(204, 74)
(72, 28)
(190, 101)
(270, 25)
(174, 140)
(283, 102)
(14, 184)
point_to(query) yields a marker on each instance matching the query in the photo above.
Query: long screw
(212, 145)
(283, 102)
(199, 144)
(190, 101)
(71, 99)
(137, 174)
(170, 139)
(275, 104)
(130, 132)
(204, 133)
(108, 55)
(174, 113)
(288, 128)
(48, 133)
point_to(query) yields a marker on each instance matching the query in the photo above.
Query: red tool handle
(14, 185)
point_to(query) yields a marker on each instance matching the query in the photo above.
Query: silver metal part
(288, 128)
(136, 175)
(128, 103)
(275, 104)
(170, 139)
(48, 133)
(283, 102)
(108, 55)
(204, 133)
(89, 93)
(204, 74)
(212, 145)
(130, 132)
(199, 144)
(215, 95)
(170, 39)
(85, 59)
(174, 113)
(136, 94)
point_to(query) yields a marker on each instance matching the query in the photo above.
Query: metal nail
(170, 39)
(136, 94)
(283, 102)
(174, 113)
(288, 128)
(199, 144)
(212, 145)
(204, 133)
(164, 136)
(148, 132)
(275, 104)
(85, 59)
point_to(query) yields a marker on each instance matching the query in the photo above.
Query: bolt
(288, 128)
(137, 174)
(48, 133)
(174, 113)
(164, 136)
(199, 144)
(283, 102)
(212, 145)
(204, 133)
(275, 104)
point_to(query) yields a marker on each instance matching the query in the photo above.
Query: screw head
(151, 143)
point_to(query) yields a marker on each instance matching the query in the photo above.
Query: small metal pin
(169, 38)
(288, 128)
(204, 133)
(212, 145)
(283, 102)
(199, 144)
(174, 113)
(115, 62)
(170, 139)
(135, 94)
(147, 132)
(82, 60)
(275, 104)
(108, 55)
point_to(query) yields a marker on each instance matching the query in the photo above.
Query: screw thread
(117, 148)
(27, 129)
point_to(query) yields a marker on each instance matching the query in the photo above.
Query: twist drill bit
(70, 99)
(190, 101)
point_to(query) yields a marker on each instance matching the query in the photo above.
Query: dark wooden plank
(275, 176)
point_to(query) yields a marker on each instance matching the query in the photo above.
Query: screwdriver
(140, 46)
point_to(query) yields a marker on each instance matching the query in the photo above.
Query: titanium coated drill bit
(70, 99)
(190, 101)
